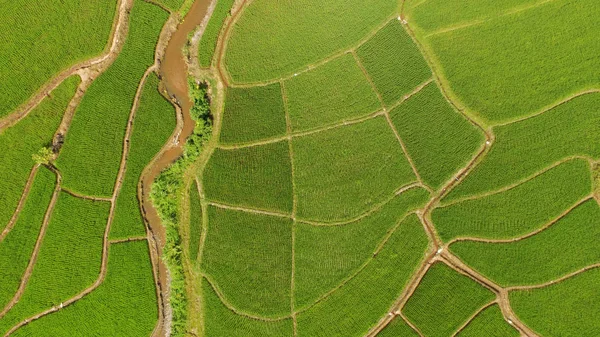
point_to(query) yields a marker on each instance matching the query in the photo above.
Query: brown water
(174, 73)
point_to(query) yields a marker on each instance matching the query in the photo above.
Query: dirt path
(99, 63)
(36, 248)
(21, 204)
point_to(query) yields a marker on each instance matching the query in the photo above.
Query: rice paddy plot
(393, 62)
(519, 210)
(567, 246)
(398, 328)
(219, 320)
(173, 5)
(42, 38)
(330, 254)
(444, 300)
(357, 306)
(538, 57)
(257, 177)
(17, 246)
(567, 308)
(154, 122)
(16, 160)
(253, 114)
(195, 225)
(438, 139)
(123, 305)
(335, 91)
(91, 155)
(524, 148)
(69, 258)
(275, 39)
(249, 256)
(208, 42)
(343, 172)
(490, 323)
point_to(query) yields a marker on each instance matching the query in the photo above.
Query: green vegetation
(526, 147)
(257, 176)
(265, 46)
(208, 43)
(17, 151)
(173, 5)
(343, 172)
(252, 114)
(92, 151)
(518, 210)
(153, 124)
(438, 139)
(567, 308)
(69, 258)
(394, 62)
(40, 39)
(221, 321)
(195, 226)
(398, 328)
(123, 305)
(489, 323)
(357, 306)
(566, 246)
(332, 92)
(329, 254)
(539, 57)
(250, 258)
(444, 300)
(43, 156)
(17, 246)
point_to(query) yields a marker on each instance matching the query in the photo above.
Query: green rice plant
(92, 151)
(330, 93)
(394, 62)
(342, 172)
(123, 305)
(358, 305)
(173, 5)
(17, 246)
(195, 226)
(567, 246)
(519, 210)
(257, 176)
(326, 255)
(397, 328)
(444, 300)
(208, 43)
(524, 148)
(490, 323)
(250, 258)
(153, 124)
(566, 308)
(69, 258)
(538, 58)
(437, 138)
(219, 320)
(42, 38)
(24, 139)
(437, 15)
(252, 114)
(275, 39)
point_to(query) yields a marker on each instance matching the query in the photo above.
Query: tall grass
(195, 226)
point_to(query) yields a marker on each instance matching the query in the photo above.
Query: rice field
(335, 91)
(519, 210)
(253, 114)
(438, 139)
(398, 327)
(153, 124)
(490, 322)
(97, 131)
(208, 43)
(249, 256)
(258, 177)
(123, 305)
(343, 172)
(265, 46)
(195, 225)
(43, 38)
(444, 300)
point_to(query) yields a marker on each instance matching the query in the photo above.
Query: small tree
(44, 156)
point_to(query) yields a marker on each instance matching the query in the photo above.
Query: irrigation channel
(174, 74)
